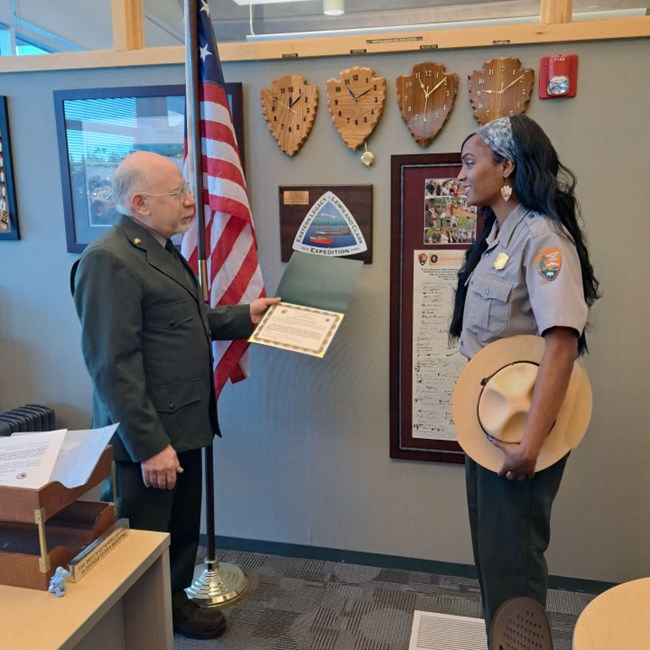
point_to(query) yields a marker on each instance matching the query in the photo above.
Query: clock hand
(352, 94)
(275, 99)
(512, 83)
(365, 92)
(426, 101)
(427, 92)
(439, 84)
(294, 102)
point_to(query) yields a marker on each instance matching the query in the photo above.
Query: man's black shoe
(198, 622)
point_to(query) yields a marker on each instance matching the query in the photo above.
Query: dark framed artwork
(98, 127)
(328, 220)
(8, 216)
(431, 228)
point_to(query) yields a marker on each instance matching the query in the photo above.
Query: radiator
(31, 417)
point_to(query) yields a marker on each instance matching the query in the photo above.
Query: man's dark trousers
(176, 511)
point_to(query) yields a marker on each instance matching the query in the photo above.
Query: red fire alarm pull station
(558, 76)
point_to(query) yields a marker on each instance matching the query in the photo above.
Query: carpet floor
(303, 604)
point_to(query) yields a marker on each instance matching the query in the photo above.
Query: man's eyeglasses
(178, 193)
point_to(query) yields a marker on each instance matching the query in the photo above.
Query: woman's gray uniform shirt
(527, 281)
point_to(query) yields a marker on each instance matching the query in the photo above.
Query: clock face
(501, 88)
(426, 97)
(289, 107)
(356, 101)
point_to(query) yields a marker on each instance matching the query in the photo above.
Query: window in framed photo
(97, 128)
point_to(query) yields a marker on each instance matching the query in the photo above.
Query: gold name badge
(500, 261)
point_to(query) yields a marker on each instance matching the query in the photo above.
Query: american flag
(234, 275)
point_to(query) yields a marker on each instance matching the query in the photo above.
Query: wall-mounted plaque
(328, 220)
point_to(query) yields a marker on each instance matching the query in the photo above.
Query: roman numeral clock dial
(501, 88)
(425, 98)
(289, 107)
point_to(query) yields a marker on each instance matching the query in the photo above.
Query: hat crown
(474, 385)
(505, 401)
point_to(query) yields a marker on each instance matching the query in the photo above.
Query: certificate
(297, 328)
(315, 291)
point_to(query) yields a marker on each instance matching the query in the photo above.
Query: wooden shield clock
(426, 97)
(289, 107)
(356, 101)
(501, 88)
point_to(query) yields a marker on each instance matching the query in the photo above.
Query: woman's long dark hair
(542, 184)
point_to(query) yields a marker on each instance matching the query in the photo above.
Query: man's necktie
(171, 249)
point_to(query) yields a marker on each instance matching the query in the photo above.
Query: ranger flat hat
(492, 398)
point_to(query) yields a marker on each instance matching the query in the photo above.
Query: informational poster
(436, 364)
(432, 226)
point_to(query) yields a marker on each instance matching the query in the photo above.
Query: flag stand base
(219, 585)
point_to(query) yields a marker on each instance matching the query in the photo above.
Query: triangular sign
(329, 229)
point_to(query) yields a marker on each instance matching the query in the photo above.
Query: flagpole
(194, 112)
(219, 584)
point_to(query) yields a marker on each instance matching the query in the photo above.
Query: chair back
(521, 624)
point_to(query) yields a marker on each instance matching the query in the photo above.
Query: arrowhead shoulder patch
(549, 262)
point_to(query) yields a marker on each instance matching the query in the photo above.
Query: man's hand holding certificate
(315, 291)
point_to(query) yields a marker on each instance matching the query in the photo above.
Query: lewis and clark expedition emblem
(329, 229)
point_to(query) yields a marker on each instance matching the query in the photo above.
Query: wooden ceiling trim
(425, 41)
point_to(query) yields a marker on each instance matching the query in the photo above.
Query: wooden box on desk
(43, 529)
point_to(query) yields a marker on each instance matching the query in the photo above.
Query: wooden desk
(617, 619)
(123, 603)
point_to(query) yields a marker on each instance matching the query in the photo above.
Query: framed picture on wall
(328, 220)
(8, 216)
(98, 127)
(431, 228)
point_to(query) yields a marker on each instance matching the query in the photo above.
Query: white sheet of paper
(297, 328)
(28, 460)
(436, 365)
(79, 454)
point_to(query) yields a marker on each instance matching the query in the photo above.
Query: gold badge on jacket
(500, 261)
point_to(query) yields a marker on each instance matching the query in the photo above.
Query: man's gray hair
(127, 179)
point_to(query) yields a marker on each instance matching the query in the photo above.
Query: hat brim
(571, 422)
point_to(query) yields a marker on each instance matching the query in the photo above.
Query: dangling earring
(506, 190)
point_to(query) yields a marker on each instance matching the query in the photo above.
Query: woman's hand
(519, 463)
(556, 365)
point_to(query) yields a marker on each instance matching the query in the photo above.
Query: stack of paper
(31, 460)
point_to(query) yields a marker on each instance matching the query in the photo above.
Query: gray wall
(304, 458)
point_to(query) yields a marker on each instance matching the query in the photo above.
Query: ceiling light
(333, 7)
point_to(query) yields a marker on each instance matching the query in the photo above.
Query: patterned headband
(497, 135)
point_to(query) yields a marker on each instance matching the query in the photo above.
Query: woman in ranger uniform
(528, 273)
